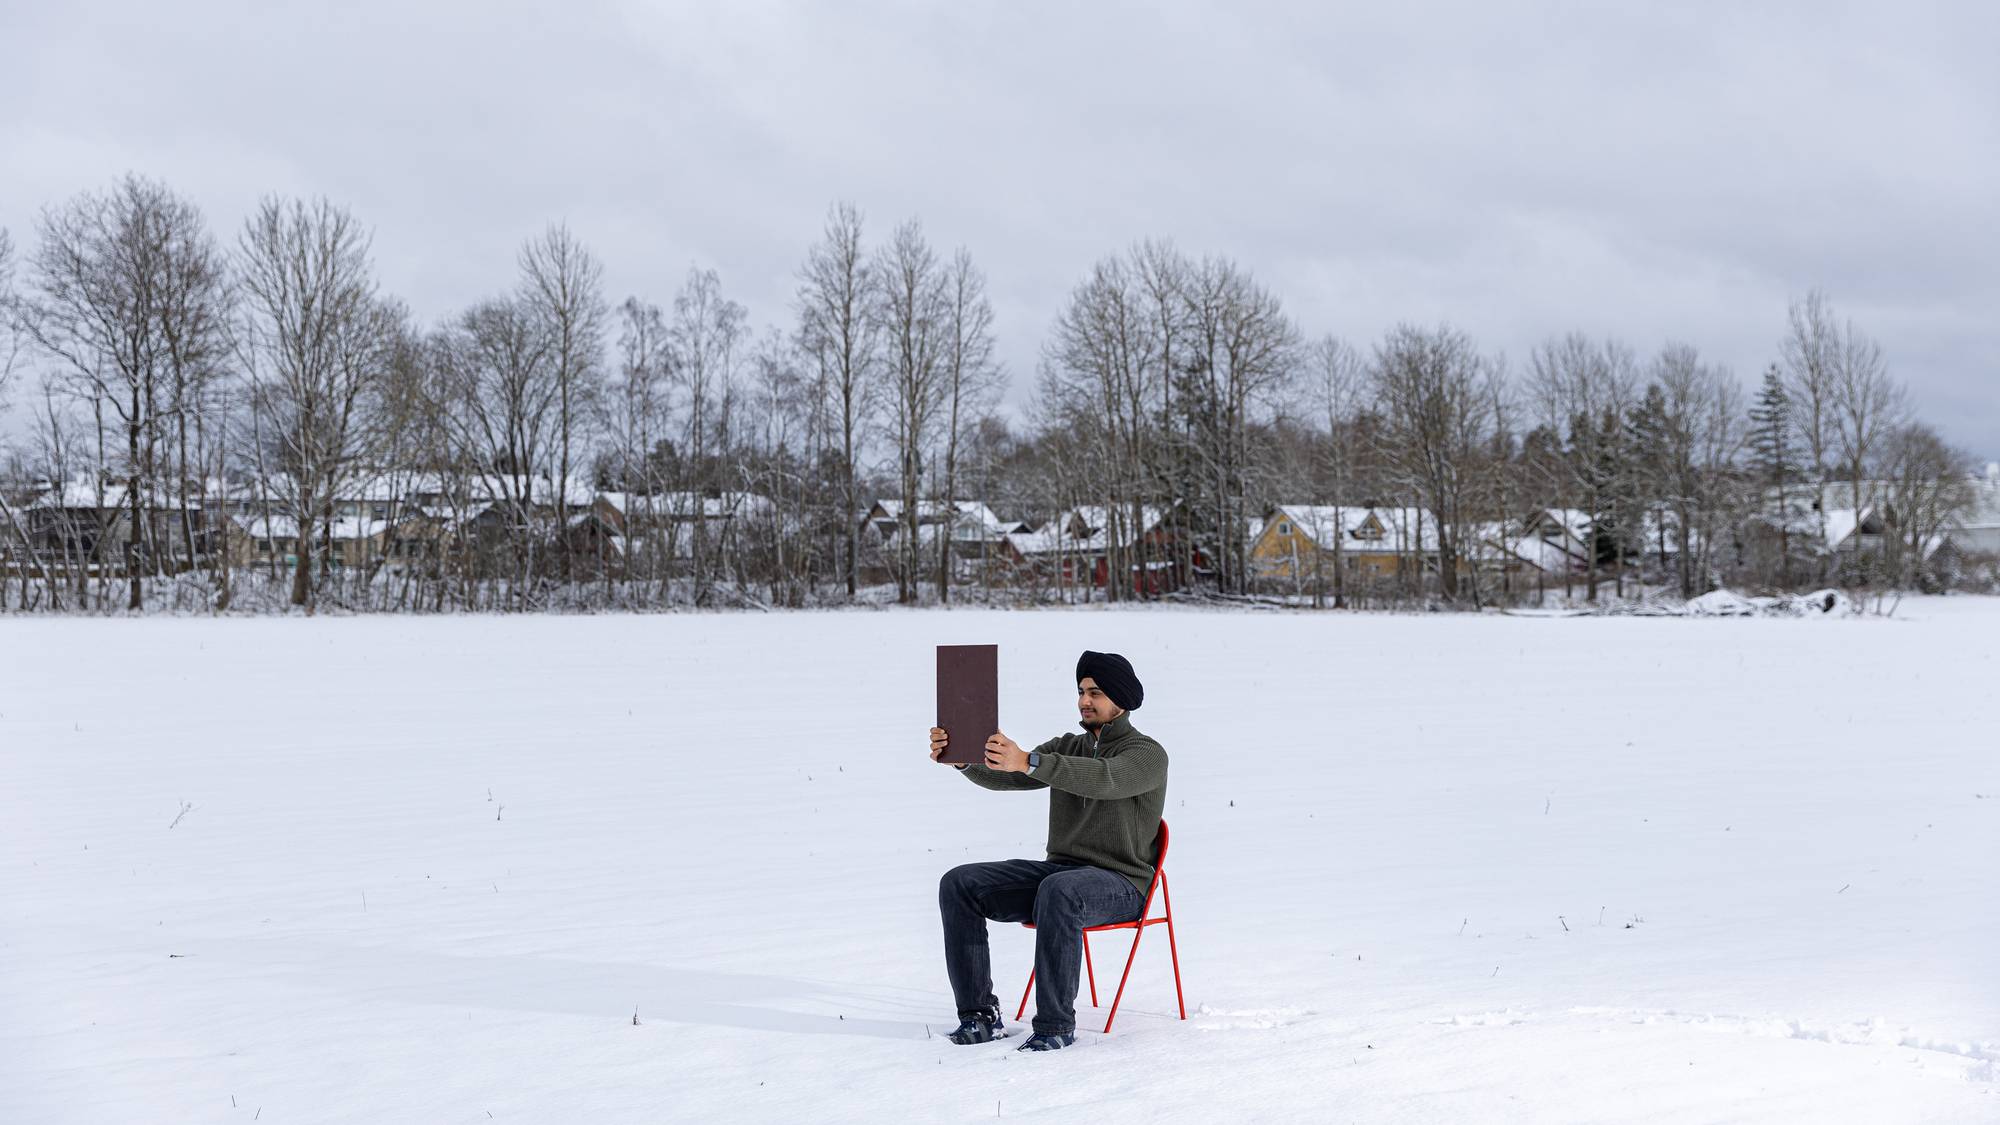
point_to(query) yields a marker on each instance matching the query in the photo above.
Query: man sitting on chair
(1108, 787)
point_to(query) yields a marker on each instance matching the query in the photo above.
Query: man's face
(1094, 707)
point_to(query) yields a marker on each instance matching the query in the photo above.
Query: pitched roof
(1081, 530)
(1327, 525)
(687, 505)
(969, 515)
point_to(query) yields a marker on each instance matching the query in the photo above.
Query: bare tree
(1337, 383)
(1868, 404)
(912, 314)
(778, 465)
(635, 420)
(317, 340)
(411, 447)
(493, 391)
(1103, 362)
(10, 352)
(1240, 350)
(562, 284)
(129, 300)
(1929, 487)
(10, 336)
(1811, 353)
(1429, 385)
(1159, 464)
(54, 539)
(1693, 432)
(1582, 387)
(198, 304)
(973, 382)
(837, 330)
(702, 341)
(1841, 397)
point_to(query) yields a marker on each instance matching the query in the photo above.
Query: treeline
(181, 379)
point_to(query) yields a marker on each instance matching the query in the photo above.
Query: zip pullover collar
(1110, 732)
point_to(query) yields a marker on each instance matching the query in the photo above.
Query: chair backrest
(1159, 867)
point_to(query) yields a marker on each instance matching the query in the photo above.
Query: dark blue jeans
(1059, 898)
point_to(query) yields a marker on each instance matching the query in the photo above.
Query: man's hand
(1004, 755)
(938, 740)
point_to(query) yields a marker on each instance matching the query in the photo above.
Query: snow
(1841, 523)
(1426, 868)
(1327, 525)
(1721, 603)
(1729, 603)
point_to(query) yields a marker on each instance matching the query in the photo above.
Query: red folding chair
(1138, 927)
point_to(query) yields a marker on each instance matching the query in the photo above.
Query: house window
(1284, 528)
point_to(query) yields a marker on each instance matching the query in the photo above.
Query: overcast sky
(1519, 170)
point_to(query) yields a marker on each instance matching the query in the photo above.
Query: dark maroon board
(968, 699)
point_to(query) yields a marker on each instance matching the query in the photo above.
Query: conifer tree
(1772, 457)
(1646, 432)
(1773, 460)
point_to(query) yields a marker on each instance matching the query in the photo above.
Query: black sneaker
(1041, 1042)
(980, 1027)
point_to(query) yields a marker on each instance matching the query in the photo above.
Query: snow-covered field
(1428, 869)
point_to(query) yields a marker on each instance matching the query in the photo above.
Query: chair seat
(1132, 925)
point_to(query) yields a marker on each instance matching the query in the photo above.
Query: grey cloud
(1521, 169)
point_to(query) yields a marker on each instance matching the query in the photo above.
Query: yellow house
(1296, 546)
(1298, 542)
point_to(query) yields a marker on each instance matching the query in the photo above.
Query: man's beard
(1091, 725)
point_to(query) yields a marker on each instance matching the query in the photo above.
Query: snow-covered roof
(1374, 529)
(1403, 529)
(893, 509)
(82, 492)
(277, 525)
(1080, 530)
(1412, 530)
(389, 484)
(1044, 540)
(1544, 555)
(443, 512)
(686, 505)
(1573, 523)
(972, 517)
(1324, 524)
(1841, 523)
(356, 527)
(267, 526)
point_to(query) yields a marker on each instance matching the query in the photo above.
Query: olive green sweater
(1107, 792)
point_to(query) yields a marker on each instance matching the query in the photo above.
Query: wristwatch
(1034, 761)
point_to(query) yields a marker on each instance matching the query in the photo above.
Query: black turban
(1114, 676)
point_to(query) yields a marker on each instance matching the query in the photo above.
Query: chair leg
(1137, 933)
(1088, 969)
(1173, 947)
(1025, 993)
